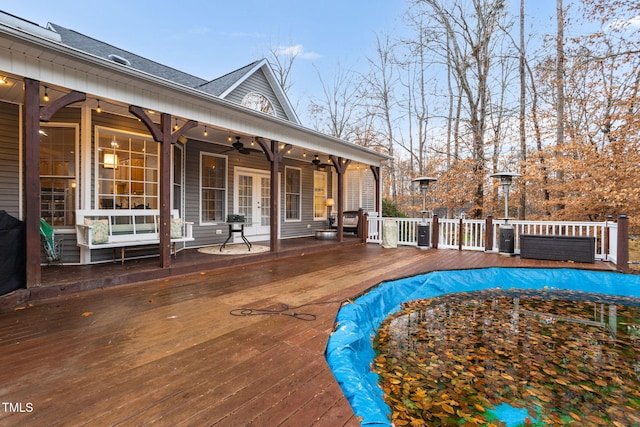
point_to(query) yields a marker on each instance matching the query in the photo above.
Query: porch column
(33, 114)
(274, 155)
(376, 176)
(166, 138)
(435, 232)
(340, 164)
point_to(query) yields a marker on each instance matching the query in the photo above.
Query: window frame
(98, 163)
(288, 193)
(224, 189)
(71, 178)
(325, 196)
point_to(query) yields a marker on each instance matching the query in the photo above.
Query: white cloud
(296, 50)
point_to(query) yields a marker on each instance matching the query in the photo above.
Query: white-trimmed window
(293, 193)
(58, 160)
(213, 188)
(319, 195)
(127, 170)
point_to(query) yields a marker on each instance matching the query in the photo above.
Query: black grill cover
(12, 254)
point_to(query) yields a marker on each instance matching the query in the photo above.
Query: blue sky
(210, 38)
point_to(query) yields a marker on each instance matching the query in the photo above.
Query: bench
(350, 221)
(558, 248)
(125, 228)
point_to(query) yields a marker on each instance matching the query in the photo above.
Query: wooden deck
(167, 351)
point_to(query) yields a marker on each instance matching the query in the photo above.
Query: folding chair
(51, 245)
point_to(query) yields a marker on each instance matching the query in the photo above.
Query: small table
(233, 228)
(327, 234)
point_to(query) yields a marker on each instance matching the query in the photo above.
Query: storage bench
(558, 248)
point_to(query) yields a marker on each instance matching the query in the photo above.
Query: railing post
(460, 234)
(435, 232)
(622, 261)
(488, 234)
(364, 229)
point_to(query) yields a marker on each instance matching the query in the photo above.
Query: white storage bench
(125, 228)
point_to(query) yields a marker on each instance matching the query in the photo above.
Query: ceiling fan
(239, 146)
(316, 162)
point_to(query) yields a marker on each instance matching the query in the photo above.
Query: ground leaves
(567, 357)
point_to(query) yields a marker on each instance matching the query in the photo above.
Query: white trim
(226, 187)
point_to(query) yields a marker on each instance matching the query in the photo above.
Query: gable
(257, 82)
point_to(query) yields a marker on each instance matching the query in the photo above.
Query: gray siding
(10, 159)
(257, 82)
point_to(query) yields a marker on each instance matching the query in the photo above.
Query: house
(88, 126)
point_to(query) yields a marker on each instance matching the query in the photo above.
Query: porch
(168, 350)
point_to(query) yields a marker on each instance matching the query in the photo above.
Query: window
(58, 148)
(213, 188)
(319, 195)
(292, 193)
(127, 170)
(361, 190)
(259, 102)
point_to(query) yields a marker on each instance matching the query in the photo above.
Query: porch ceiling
(62, 68)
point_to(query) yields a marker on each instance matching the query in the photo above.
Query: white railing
(470, 234)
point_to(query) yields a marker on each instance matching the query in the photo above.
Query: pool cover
(350, 352)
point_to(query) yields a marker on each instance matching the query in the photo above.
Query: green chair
(51, 245)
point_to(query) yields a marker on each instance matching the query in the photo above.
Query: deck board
(167, 351)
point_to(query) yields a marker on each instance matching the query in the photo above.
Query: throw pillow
(176, 228)
(99, 231)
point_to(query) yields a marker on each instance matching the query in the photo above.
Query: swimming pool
(350, 353)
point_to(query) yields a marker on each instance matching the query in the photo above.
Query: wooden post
(166, 138)
(488, 234)
(340, 165)
(33, 115)
(376, 176)
(435, 232)
(623, 244)
(362, 226)
(31, 112)
(460, 234)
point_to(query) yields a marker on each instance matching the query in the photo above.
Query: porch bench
(558, 248)
(127, 228)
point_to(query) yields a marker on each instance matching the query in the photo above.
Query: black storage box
(558, 248)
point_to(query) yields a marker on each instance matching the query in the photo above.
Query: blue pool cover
(350, 352)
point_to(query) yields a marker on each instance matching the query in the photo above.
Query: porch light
(110, 161)
(46, 95)
(98, 109)
(330, 202)
(205, 133)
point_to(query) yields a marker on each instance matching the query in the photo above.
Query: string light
(46, 95)
(229, 137)
(175, 127)
(98, 110)
(205, 133)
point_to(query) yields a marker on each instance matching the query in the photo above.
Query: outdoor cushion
(176, 228)
(100, 230)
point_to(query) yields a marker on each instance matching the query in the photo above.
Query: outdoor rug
(235, 249)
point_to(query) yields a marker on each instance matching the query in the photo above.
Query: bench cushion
(99, 231)
(176, 228)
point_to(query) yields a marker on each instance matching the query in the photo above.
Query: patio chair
(52, 246)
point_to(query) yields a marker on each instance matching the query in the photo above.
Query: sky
(209, 38)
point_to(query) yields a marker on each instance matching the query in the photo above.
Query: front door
(251, 198)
